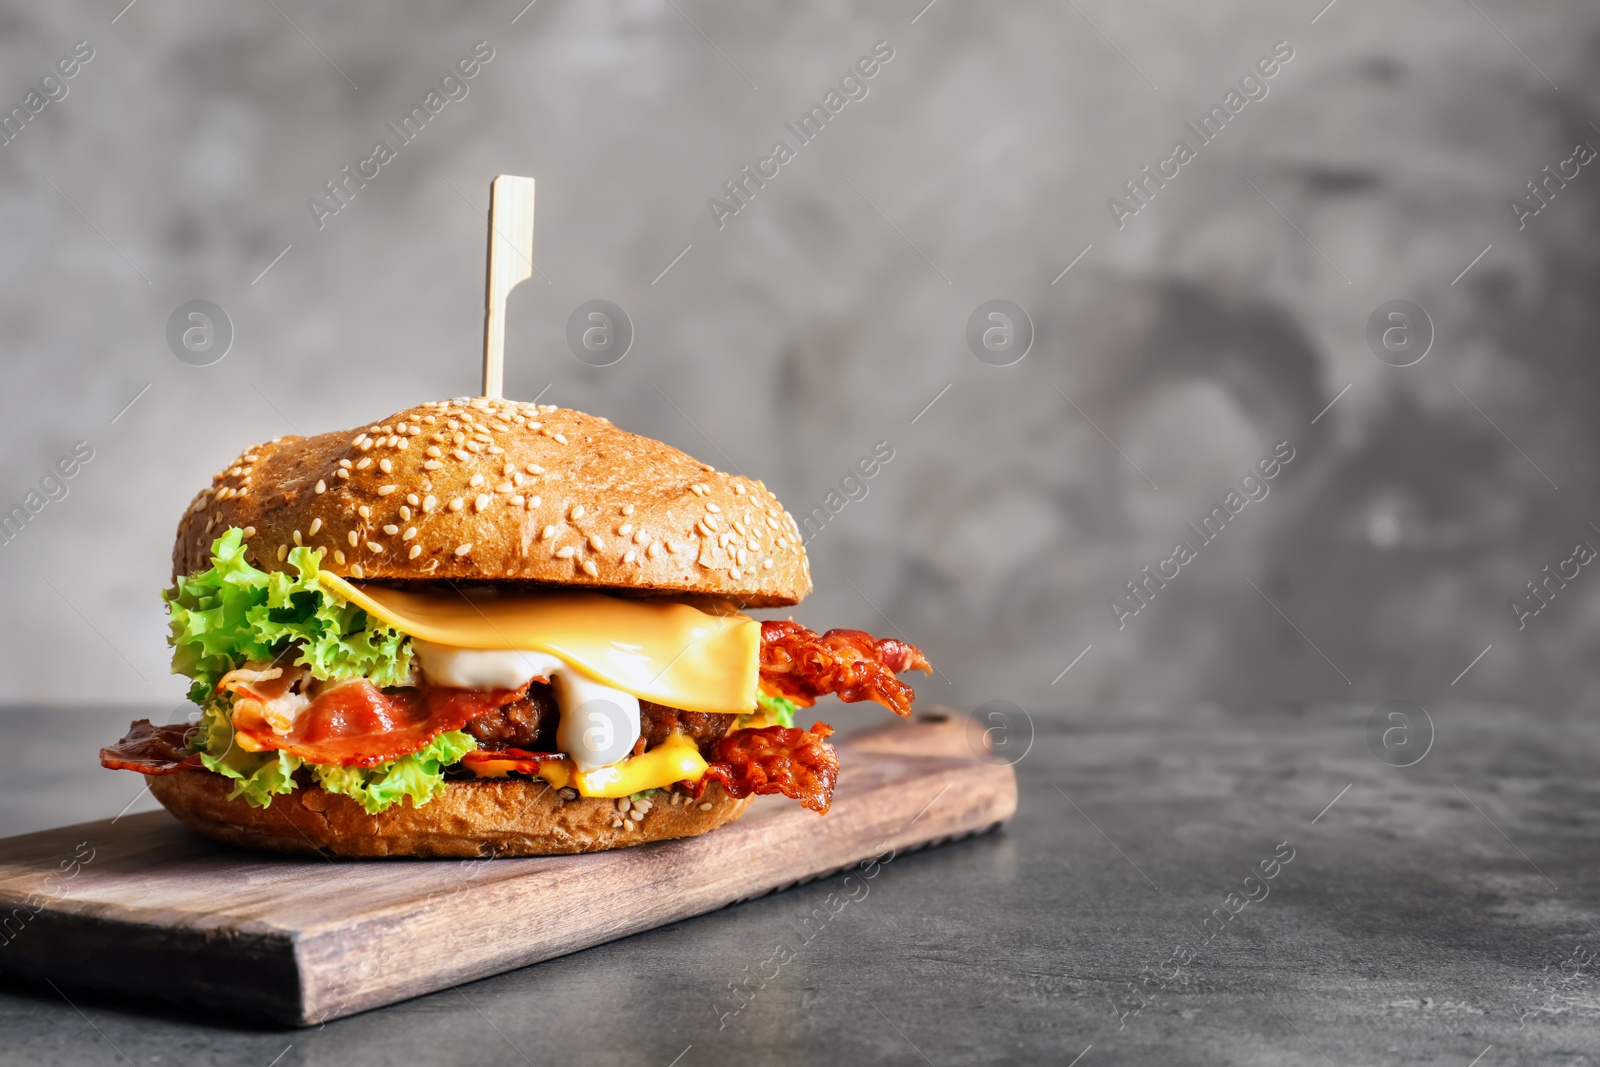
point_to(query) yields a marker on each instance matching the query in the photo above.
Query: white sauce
(482, 668)
(599, 725)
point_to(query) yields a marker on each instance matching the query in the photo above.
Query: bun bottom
(471, 818)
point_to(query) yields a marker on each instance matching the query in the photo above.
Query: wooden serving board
(108, 905)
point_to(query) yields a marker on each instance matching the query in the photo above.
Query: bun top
(495, 490)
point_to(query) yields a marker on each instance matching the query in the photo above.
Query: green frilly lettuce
(780, 709)
(233, 613)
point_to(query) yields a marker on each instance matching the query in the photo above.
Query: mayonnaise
(599, 725)
(481, 668)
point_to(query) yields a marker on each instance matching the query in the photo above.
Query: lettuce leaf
(419, 776)
(780, 709)
(231, 613)
(257, 775)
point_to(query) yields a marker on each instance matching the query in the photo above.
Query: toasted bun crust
(495, 490)
(485, 817)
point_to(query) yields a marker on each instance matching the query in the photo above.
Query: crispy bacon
(798, 664)
(152, 749)
(356, 724)
(493, 762)
(800, 764)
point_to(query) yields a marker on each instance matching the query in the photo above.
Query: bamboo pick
(510, 262)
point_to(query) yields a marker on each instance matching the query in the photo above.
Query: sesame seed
(364, 445)
(342, 473)
(625, 529)
(432, 465)
(738, 490)
(411, 531)
(338, 555)
(359, 439)
(566, 553)
(366, 461)
(461, 550)
(517, 501)
(405, 513)
(355, 539)
(387, 467)
(672, 546)
(654, 551)
(547, 533)
(577, 511)
(283, 551)
(373, 546)
(356, 571)
(477, 480)
(460, 453)
(534, 468)
(364, 511)
(391, 529)
(712, 522)
(534, 501)
(385, 490)
(433, 452)
(735, 572)
(457, 504)
(481, 502)
(629, 556)
(322, 486)
(706, 806)
(504, 487)
(639, 537)
(596, 543)
(589, 568)
(712, 507)
(766, 564)
(316, 524)
(428, 504)
(416, 550)
(560, 438)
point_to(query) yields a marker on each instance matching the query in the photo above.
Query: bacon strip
(152, 749)
(800, 764)
(356, 724)
(798, 664)
(513, 759)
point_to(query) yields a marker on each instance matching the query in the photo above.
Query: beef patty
(530, 724)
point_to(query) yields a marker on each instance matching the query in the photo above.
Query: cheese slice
(669, 653)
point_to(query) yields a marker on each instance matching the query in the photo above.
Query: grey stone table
(1442, 913)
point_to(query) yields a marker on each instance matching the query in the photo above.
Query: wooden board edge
(709, 893)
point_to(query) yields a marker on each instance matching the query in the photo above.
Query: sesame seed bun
(495, 490)
(484, 817)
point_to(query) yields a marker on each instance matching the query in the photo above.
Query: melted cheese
(669, 653)
(674, 760)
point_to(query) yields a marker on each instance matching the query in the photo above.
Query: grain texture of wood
(108, 904)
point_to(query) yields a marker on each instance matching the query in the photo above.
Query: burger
(483, 627)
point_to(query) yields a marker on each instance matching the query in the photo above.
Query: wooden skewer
(510, 262)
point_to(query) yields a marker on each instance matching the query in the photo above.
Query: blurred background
(1176, 341)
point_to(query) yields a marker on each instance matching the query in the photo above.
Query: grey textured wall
(1184, 344)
